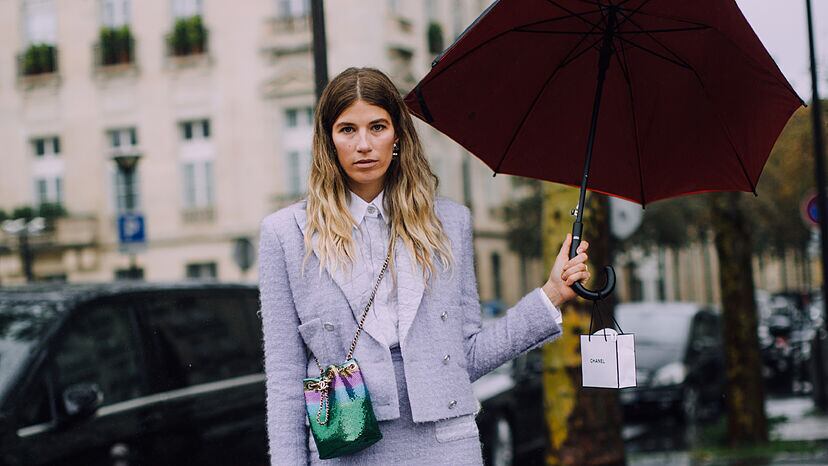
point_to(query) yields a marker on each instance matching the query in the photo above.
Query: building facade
(197, 115)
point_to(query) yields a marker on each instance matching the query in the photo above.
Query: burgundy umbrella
(686, 97)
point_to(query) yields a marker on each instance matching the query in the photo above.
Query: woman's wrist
(553, 294)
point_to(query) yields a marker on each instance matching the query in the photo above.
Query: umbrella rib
(522, 29)
(626, 73)
(572, 13)
(486, 42)
(671, 18)
(710, 101)
(675, 55)
(650, 31)
(567, 60)
(653, 52)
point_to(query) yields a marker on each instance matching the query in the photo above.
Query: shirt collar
(359, 207)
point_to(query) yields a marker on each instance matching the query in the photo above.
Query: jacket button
(444, 315)
(446, 358)
(328, 326)
(452, 404)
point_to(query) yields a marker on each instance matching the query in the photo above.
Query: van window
(203, 338)
(100, 347)
(36, 407)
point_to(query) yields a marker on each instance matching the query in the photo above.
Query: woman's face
(364, 138)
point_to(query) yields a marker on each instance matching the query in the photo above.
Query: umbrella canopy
(691, 101)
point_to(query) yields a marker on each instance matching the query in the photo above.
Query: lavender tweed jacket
(444, 344)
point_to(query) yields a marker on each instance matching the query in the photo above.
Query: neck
(367, 193)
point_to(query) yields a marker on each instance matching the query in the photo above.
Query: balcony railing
(38, 59)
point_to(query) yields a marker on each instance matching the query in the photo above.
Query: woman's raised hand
(565, 272)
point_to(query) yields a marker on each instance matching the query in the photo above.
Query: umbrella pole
(578, 226)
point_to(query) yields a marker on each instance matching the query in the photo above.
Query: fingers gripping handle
(609, 285)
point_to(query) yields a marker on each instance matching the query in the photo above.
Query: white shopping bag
(608, 359)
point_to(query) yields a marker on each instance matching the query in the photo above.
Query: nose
(363, 145)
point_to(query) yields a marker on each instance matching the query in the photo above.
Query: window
(127, 196)
(203, 338)
(36, 409)
(202, 270)
(40, 21)
(299, 117)
(115, 13)
(296, 147)
(186, 8)
(195, 129)
(47, 170)
(99, 347)
(294, 8)
(129, 274)
(122, 138)
(46, 147)
(198, 190)
(298, 171)
(198, 184)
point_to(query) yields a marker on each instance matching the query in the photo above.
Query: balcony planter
(435, 38)
(116, 46)
(189, 37)
(38, 59)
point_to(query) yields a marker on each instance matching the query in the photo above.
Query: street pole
(26, 255)
(822, 204)
(320, 50)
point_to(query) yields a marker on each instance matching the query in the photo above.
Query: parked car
(679, 360)
(511, 421)
(131, 374)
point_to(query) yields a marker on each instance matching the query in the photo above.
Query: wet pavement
(670, 443)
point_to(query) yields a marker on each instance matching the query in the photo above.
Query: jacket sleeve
(528, 324)
(284, 356)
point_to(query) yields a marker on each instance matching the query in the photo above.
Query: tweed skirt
(405, 442)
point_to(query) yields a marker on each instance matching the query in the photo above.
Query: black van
(131, 374)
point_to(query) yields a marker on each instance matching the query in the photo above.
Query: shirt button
(446, 359)
(444, 315)
(328, 326)
(372, 209)
(452, 404)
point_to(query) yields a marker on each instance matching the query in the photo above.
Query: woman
(423, 342)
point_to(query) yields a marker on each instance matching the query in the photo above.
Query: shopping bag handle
(597, 309)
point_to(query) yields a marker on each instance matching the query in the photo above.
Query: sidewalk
(801, 423)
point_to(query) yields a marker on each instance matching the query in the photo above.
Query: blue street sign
(810, 209)
(131, 231)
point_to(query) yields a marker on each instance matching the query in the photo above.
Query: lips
(365, 162)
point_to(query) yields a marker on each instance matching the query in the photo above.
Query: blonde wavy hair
(410, 185)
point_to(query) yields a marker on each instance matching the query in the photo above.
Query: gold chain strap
(327, 376)
(364, 313)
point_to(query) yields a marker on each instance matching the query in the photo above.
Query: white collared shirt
(371, 235)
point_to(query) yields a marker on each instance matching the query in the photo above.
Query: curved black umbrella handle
(580, 289)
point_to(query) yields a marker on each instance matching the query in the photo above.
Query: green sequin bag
(338, 404)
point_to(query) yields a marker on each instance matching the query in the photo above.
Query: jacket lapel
(410, 288)
(350, 282)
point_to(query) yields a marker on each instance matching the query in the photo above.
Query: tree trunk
(584, 425)
(746, 422)
(676, 275)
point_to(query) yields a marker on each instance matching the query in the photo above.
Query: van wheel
(502, 449)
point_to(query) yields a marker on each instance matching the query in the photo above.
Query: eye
(346, 129)
(378, 127)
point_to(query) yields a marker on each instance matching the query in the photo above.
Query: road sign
(131, 232)
(625, 217)
(810, 210)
